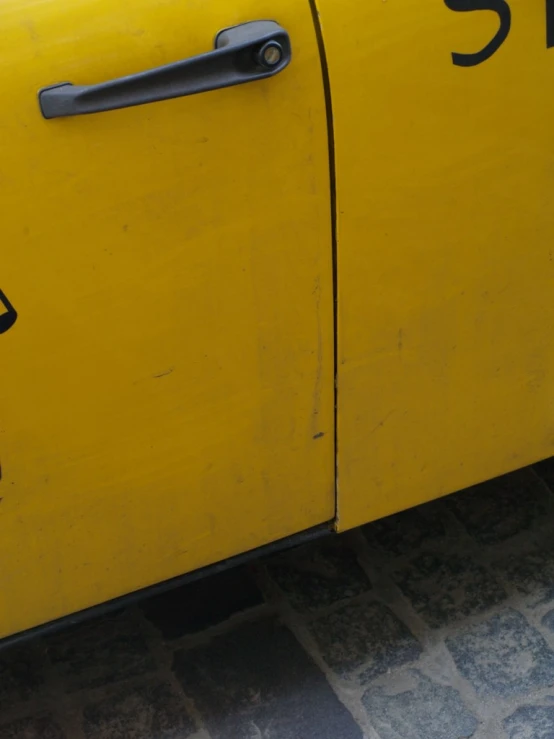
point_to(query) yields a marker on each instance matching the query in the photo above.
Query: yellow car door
(166, 330)
(444, 159)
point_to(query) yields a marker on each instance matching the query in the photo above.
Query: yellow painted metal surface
(445, 222)
(166, 392)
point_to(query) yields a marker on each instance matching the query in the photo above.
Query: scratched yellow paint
(445, 207)
(170, 265)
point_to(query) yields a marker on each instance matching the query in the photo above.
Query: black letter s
(502, 9)
(549, 24)
(8, 315)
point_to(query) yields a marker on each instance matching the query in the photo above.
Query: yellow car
(268, 269)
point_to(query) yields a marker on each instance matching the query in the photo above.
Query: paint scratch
(382, 422)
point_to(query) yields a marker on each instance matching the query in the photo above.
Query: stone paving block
(36, 727)
(443, 588)
(530, 574)
(411, 706)
(318, 576)
(364, 634)
(257, 681)
(203, 603)
(548, 620)
(152, 711)
(499, 509)
(530, 722)
(405, 532)
(503, 656)
(21, 675)
(100, 652)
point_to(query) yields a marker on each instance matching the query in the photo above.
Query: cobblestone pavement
(437, 623)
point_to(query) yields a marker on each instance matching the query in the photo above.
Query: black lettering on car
(8, 314)
(502, 9)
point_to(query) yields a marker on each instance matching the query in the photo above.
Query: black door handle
(251, 51)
